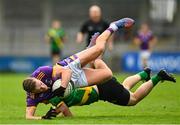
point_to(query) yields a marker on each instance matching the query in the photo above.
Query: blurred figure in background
(56, 38)
(145, 40)
(94, 24)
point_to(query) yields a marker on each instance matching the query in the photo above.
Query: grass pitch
(161, 106)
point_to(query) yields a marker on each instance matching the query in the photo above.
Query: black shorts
(57, 52)
(113, 92)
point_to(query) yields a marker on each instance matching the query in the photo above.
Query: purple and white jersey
(145, 39)
(45, 74)
(68, 60)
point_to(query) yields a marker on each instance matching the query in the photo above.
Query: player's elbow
(28, 117)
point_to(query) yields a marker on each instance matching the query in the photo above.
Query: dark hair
(29, 85)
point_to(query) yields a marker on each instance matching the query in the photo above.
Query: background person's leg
(55, 59)
(144, 62)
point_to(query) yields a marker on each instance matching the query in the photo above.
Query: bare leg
(100, 64)
(140, 93)
(147, 87)
(93, 65)
(101, 73)
(92, 53)
(130, 81)
(144, 62)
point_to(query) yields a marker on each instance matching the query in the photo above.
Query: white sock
(113, 27)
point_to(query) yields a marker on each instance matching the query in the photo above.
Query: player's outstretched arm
(62, 107)
(30, 111)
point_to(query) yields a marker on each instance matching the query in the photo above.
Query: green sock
(155, 79)
(143, 75)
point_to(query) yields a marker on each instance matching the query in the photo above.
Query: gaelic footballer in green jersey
(56, 37)
(111, 91)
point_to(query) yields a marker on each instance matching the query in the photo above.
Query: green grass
(161, 106)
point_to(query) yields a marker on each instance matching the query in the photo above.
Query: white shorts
(78, 75)
(145, 54)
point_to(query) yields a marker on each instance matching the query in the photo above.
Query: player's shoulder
(43, 70)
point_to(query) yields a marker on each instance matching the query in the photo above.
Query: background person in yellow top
(56, 37)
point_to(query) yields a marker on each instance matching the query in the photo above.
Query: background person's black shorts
(55, 53)
(113, 92)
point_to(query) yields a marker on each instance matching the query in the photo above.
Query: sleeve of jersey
(31, 102)
(55, 101)
(84, 28)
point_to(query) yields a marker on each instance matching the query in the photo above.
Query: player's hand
(59, 92)
(51, 113)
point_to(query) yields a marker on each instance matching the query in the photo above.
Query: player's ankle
(112, 28)
(143, 75)
(155, 79)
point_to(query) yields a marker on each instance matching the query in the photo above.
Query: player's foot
(93, 39)
(122, 23)
(145, 74)
(148, 71)
(166, 76)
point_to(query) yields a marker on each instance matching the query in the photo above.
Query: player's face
(56, 24)
(40, 86)
(95, 14)
(144, 28)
